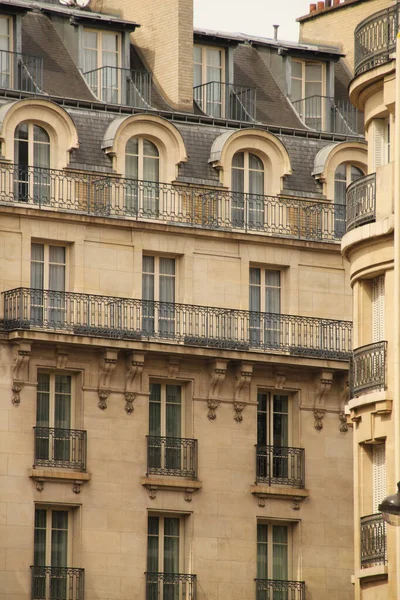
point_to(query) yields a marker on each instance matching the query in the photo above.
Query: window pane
(273, 278)
(62, 416)
(297, 92)
(149, 149)
(238, 160)
(150, 169)
(167, 266)
(173, 411)
(40, 538)
(132, 146)
(40, 135)
(356, 173)
(155, 409)
(171, 545)
(255, 276)
(255, 162)
(313, 72)
(297, 69)
(43, 400)
(152, 544)
(148, 264)
(314, 89)
(59, 538)
(262, 551)
(197, 54)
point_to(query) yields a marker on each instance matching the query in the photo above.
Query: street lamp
(390, 508)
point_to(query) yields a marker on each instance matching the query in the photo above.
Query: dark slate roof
(272, 107)
(198, 141)
(342, 81)
(302, 153)
(61, 76)
(157, 100)
(91, 126)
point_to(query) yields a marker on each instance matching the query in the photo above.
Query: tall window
(142, 164)
(345, 174)
(378, 309)
(5, 47)
(101, 59)
(272, 560)
(165, 420)
(53, 411)
(248, 190)
(308, 87)
(208, 78)
(164, 555)
(378, 475)
(158, 289)
(32, 160)
(379, 140)
(265, 306)
(48, 272)
(272, 431)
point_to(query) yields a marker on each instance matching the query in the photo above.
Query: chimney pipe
(313, 8)
(321, 5)
(276, 27)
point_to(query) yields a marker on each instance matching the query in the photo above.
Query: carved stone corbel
(152, 493)
(39, 485)
(76, 487)
(318, 416)
(108, 364)
(243, 376)
(280, 380)
(188, 496)
(20, 370)
(343, 427)
(345, 396)
(323, 384)
(261, 501)
(217, 377)
(129, 400)
(62, 359)
(134, 371)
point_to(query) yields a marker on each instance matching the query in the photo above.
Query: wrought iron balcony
(178, 204)
(192, 325)
(226, 100)
(115, 85)
(56, 583)
(21, 71)
(171, 456)
(368, 369)
(327, 114)
(375, 39)
(269, 589)
(361, 202)
(280, 465)
(60, 448)
(170, 586)
(373, 540)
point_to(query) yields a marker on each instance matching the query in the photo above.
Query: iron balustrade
(192, 325)
(368, 368)
(21, 71)
(361, 202)
(170, 586)
(57, 583)
(176, 204)
(226, 100)
(372, 540)
(269, 589)
(117, 85)
(60, 448)
(327, 114)
(171, 456)
(280, 465)
(375, 39)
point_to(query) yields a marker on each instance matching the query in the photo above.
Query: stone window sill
(373, 573)
(175, 484)
(265, 492)
(43, 474)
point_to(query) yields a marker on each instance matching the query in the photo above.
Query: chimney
(276, 27)
(313, 8)
(165, 41)
(321, 5)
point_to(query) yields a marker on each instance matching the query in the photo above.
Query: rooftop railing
(375, 39)
(327, 114)
(226, 100)
(175, 204)
(191, 325)
(368, 369)
(60, 448)
(372, 540)
(171, 586)
(171, 456)
(361, 202)
(269, 589)
(21, 72)
(116, 85)
(280, 465)
(56, 583)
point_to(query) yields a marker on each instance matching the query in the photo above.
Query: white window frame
(46, 262)
(270, 411)
(49, 511)
(163, 403)
(262, 287)
(289, 527)
(378, 308)
(304, 63)
(156, 274)
(205, 80)
(99, 54)
(4, 62)
(161, 517)
(52, 385)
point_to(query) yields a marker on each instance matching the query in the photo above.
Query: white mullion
(48, 536)
(163, 412)
(161, 545)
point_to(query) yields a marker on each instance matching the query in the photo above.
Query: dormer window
(208, 77)
(308, 90)
(101, 62)
(5, 47)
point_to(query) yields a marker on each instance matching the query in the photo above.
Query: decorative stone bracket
(243, 376)
(133, 386)
(172, 484)
(43, 475)
(319, 414)
(264, 492)
(108, 364)
(20, 370)
(322, 387)
(129, 400)
(217, 377)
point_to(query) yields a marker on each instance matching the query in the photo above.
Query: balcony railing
(170, 586)
(269, 589)
(178, 204)
(373, 540)
(21, 71)
(226, 100)
(368, 369)
(327, 114)
(171, 456)
(211, 327)
(375, 39)
(60, 448)
(57, 583)
(361, 202)
(115, 85)
(280, 465)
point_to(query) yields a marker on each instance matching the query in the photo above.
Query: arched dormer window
(142, 164)
(345, 174)
(248, 189)
(32, 160)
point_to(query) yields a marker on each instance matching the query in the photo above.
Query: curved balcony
(361, 202)
(372, 541)
(190, 325)
(176, 204)
(375, 39)
(368, 369)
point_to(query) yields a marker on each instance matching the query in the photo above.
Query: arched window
(142, 163)
(248, 190)
(32, 161)
(345, 174)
